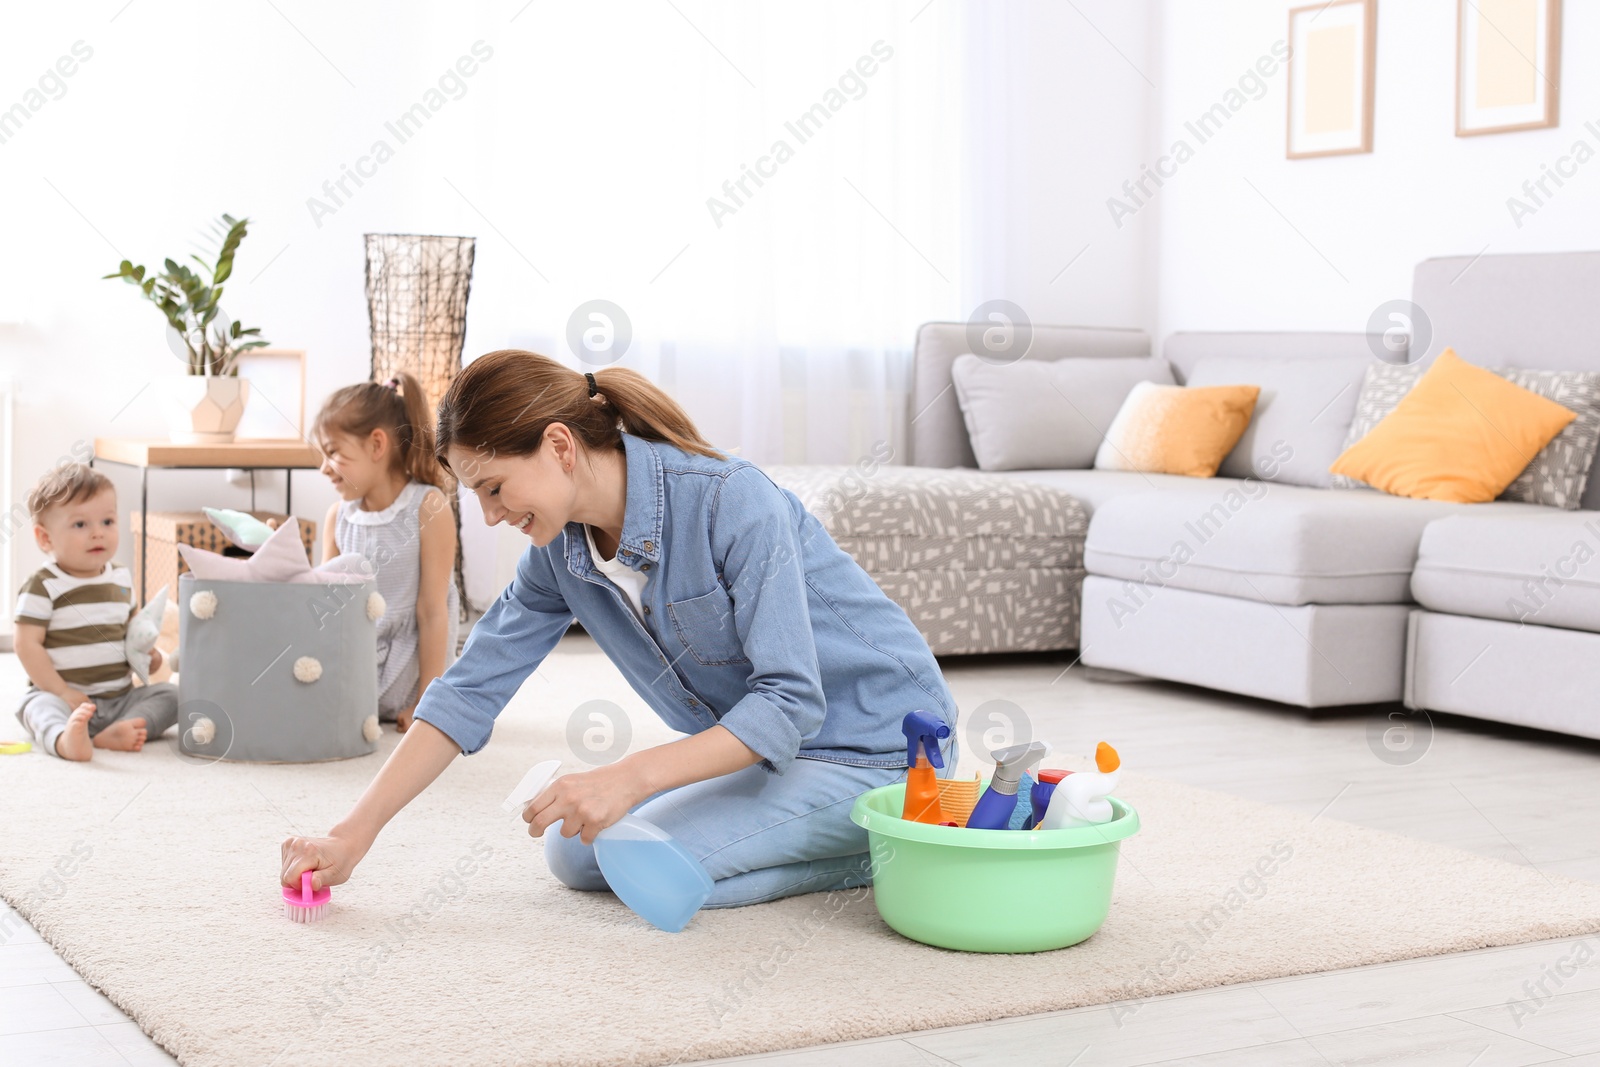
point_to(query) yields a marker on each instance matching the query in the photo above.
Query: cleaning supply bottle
(649, 871)
(923, 733)
(1039, 795)
(999, 801)
(1080, 799)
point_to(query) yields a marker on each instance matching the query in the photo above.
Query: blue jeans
(760, 835)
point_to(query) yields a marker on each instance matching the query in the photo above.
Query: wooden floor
(1527, 798)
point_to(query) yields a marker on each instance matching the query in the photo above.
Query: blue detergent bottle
(649, 871)
(999, 801)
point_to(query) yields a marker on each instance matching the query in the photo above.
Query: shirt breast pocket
(705, 626)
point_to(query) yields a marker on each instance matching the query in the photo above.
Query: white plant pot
(204, 409)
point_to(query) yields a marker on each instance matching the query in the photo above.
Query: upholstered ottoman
(277, 672)
(979, 563)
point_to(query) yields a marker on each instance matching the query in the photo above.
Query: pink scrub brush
(304, 906)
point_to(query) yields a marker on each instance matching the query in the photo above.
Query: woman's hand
(587, 802)
(333, 859)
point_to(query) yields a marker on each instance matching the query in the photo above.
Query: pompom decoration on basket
(305, 905)
(203, 604)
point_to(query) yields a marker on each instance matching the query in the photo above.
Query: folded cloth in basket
(281, 558)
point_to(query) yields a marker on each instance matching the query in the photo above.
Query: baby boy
(72, 617)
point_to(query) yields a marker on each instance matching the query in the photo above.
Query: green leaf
(224, 270)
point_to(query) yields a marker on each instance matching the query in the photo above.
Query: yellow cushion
(1463, 434)
(1168, 429)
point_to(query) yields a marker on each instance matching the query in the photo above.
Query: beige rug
(156, 878)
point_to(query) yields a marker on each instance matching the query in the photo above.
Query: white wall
(1068, 104)
(567, 195)
(1226, 258)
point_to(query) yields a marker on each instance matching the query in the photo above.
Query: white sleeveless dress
(391, 540)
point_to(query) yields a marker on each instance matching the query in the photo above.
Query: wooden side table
(251, 454)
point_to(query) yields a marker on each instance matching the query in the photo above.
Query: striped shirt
(85, 621)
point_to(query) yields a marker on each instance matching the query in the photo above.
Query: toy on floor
(144, 627)
(305, 905)
(1080, 799)
(923, 733)
(14, 748)
(649, 871)
(999, 802)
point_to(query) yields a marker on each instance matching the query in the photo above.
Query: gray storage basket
(237, 671)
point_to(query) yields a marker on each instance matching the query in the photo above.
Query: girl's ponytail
(501, 403)
(416, 441)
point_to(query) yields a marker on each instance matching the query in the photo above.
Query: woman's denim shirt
(753, 618)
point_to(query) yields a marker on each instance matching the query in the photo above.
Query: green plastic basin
(990, 890)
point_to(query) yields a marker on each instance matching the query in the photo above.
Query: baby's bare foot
(74, 743)
(124, 735)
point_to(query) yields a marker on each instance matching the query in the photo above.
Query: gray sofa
(1317, 596)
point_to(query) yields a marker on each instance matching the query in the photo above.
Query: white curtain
(774, 194)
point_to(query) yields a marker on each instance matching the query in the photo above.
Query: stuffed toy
(144, 626)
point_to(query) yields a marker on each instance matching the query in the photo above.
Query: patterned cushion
(1559, 472)
(1383, 386)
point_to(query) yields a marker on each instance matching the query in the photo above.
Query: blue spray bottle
(999, 801)
(643, 865)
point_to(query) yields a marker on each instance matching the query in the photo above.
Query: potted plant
(204, 406)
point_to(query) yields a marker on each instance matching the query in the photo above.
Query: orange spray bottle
(923, 733)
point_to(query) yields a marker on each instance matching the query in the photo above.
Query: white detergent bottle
(1080, 798)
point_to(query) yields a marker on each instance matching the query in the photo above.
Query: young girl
(378, 452)
(726, 605)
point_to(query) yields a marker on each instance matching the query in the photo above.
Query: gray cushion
(1037, 415)
(1560, 470)
(1301, 416)
(1382, 387)
(1539, 568)
(1280, 543)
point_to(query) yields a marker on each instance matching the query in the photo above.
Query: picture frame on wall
(276, 409)
(1333, 48)
(1508, 65)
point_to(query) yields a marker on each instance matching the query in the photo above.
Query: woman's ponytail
(502, 402)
